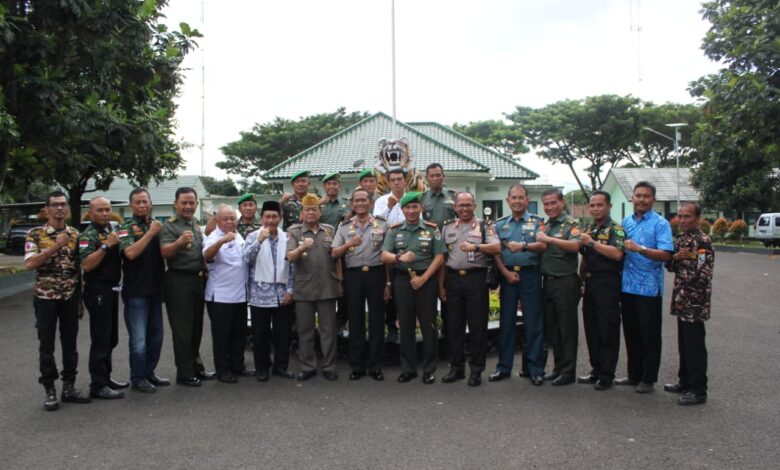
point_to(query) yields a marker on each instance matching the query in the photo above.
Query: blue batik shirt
(641, 275)
(519, 230)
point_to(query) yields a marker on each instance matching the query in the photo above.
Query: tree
(739, 135)
(224, 187)
(601, 130)
(658, 152)
(269, 144)
(496, 135)
(88, 91)
(578, 196)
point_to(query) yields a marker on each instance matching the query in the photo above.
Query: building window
(533, 207)
(496, 208)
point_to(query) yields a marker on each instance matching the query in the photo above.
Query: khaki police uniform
(183, 290)
(467, 294)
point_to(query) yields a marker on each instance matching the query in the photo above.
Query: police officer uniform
(101, 297)
(183, 288)
(424, 240)
(467, 294)
(561, 296)
(364, 282)
(528, 292)
(601, 301)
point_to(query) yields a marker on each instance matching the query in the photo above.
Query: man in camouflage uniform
(291, 203)
(692, 265)
(181, 244)
(53, 252)
(561, 286)
(102, 266)
(415, 250)
(602, 262)
(247, 223)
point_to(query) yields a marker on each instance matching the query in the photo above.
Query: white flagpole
(392, 15)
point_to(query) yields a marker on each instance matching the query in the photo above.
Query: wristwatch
(525, 246)
(591, 243)
(104, 246)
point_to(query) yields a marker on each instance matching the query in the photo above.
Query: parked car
(17, 234)
(768, 229)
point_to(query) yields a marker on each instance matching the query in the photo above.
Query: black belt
(419, 272)
(366, 269)
(602, 273)
(466, 272)
(187, 271)
(527, 267)
(550, 277)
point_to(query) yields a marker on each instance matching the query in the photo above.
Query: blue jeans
(529, 292)
(143, 317)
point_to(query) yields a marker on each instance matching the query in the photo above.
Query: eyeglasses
(58, 205)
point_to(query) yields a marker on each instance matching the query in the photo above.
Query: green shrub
(705, 226)
(738, 229)
(720, 228)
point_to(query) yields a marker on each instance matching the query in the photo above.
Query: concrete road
(511, 424)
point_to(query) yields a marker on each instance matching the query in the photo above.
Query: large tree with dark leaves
(88, 91)
(739, 137)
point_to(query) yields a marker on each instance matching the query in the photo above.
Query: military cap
(410, 197)
(270, 206)
(367, 173)
(246, 197)
(310, 200)
(300, 174)
(331, 176)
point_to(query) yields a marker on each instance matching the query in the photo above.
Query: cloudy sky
(456, 60)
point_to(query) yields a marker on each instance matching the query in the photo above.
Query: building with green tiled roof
(468, 165)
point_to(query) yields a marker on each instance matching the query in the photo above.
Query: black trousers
(363, 288)
(642, 333)
(228, 333)
(467, 304)
(47, 313)
(413, 306)
(102, 302)
(272, 327)
(693, 356)
(601, 320)
(391, 312)
(184, 299)
(561, 324)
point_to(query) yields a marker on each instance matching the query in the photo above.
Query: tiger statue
(394, 154)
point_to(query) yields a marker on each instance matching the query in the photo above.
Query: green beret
(300, 174)
(331, 176)
(246, 197)
(367, 173)
(410, 197)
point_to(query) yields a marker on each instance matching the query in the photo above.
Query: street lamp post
(676, 140)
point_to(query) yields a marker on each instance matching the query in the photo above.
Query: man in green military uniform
(102, 266)
(52, 251)
(438, 203)
(602, 263)
(561, 286)
(247, 223)
(291, 203)
(415, 250)
(333, 210)
(367, 181)
(181, 244)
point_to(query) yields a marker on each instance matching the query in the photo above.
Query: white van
(768, 229)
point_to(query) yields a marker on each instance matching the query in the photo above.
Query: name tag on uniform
(451, 237)
(528, 226)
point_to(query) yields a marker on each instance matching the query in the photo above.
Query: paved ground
(364, 424)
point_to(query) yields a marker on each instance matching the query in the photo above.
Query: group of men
(388, 259)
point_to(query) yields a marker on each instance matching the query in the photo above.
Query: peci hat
(299, 174)
(410, 197)
(271, 206)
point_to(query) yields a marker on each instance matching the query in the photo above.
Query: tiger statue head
(395, 154)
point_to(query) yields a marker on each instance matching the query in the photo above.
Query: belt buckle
(516, 268)
(364, 269)
(462, 272)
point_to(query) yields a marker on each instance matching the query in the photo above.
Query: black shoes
(285, 374)
(117, 384)
(406, 376)
(106, 393)
(674, 388)
(452, 376)
(690, 398)
(356, 375)
(330, 375)
(523, 373)
(587, 379)
(626, 381)
(551, 376)
(537, 380)
(262, 375)
(563, 380)
(227, 378)
(157, 381)
(71, 395)
(376, 375)
(428, 378)
(203, 375)
(245, 373)
(144, 386)
(498, 376)
(51, 403)
(602, 385)
(305, 375)
(190, 382)
(475, 379)
(645, 387)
